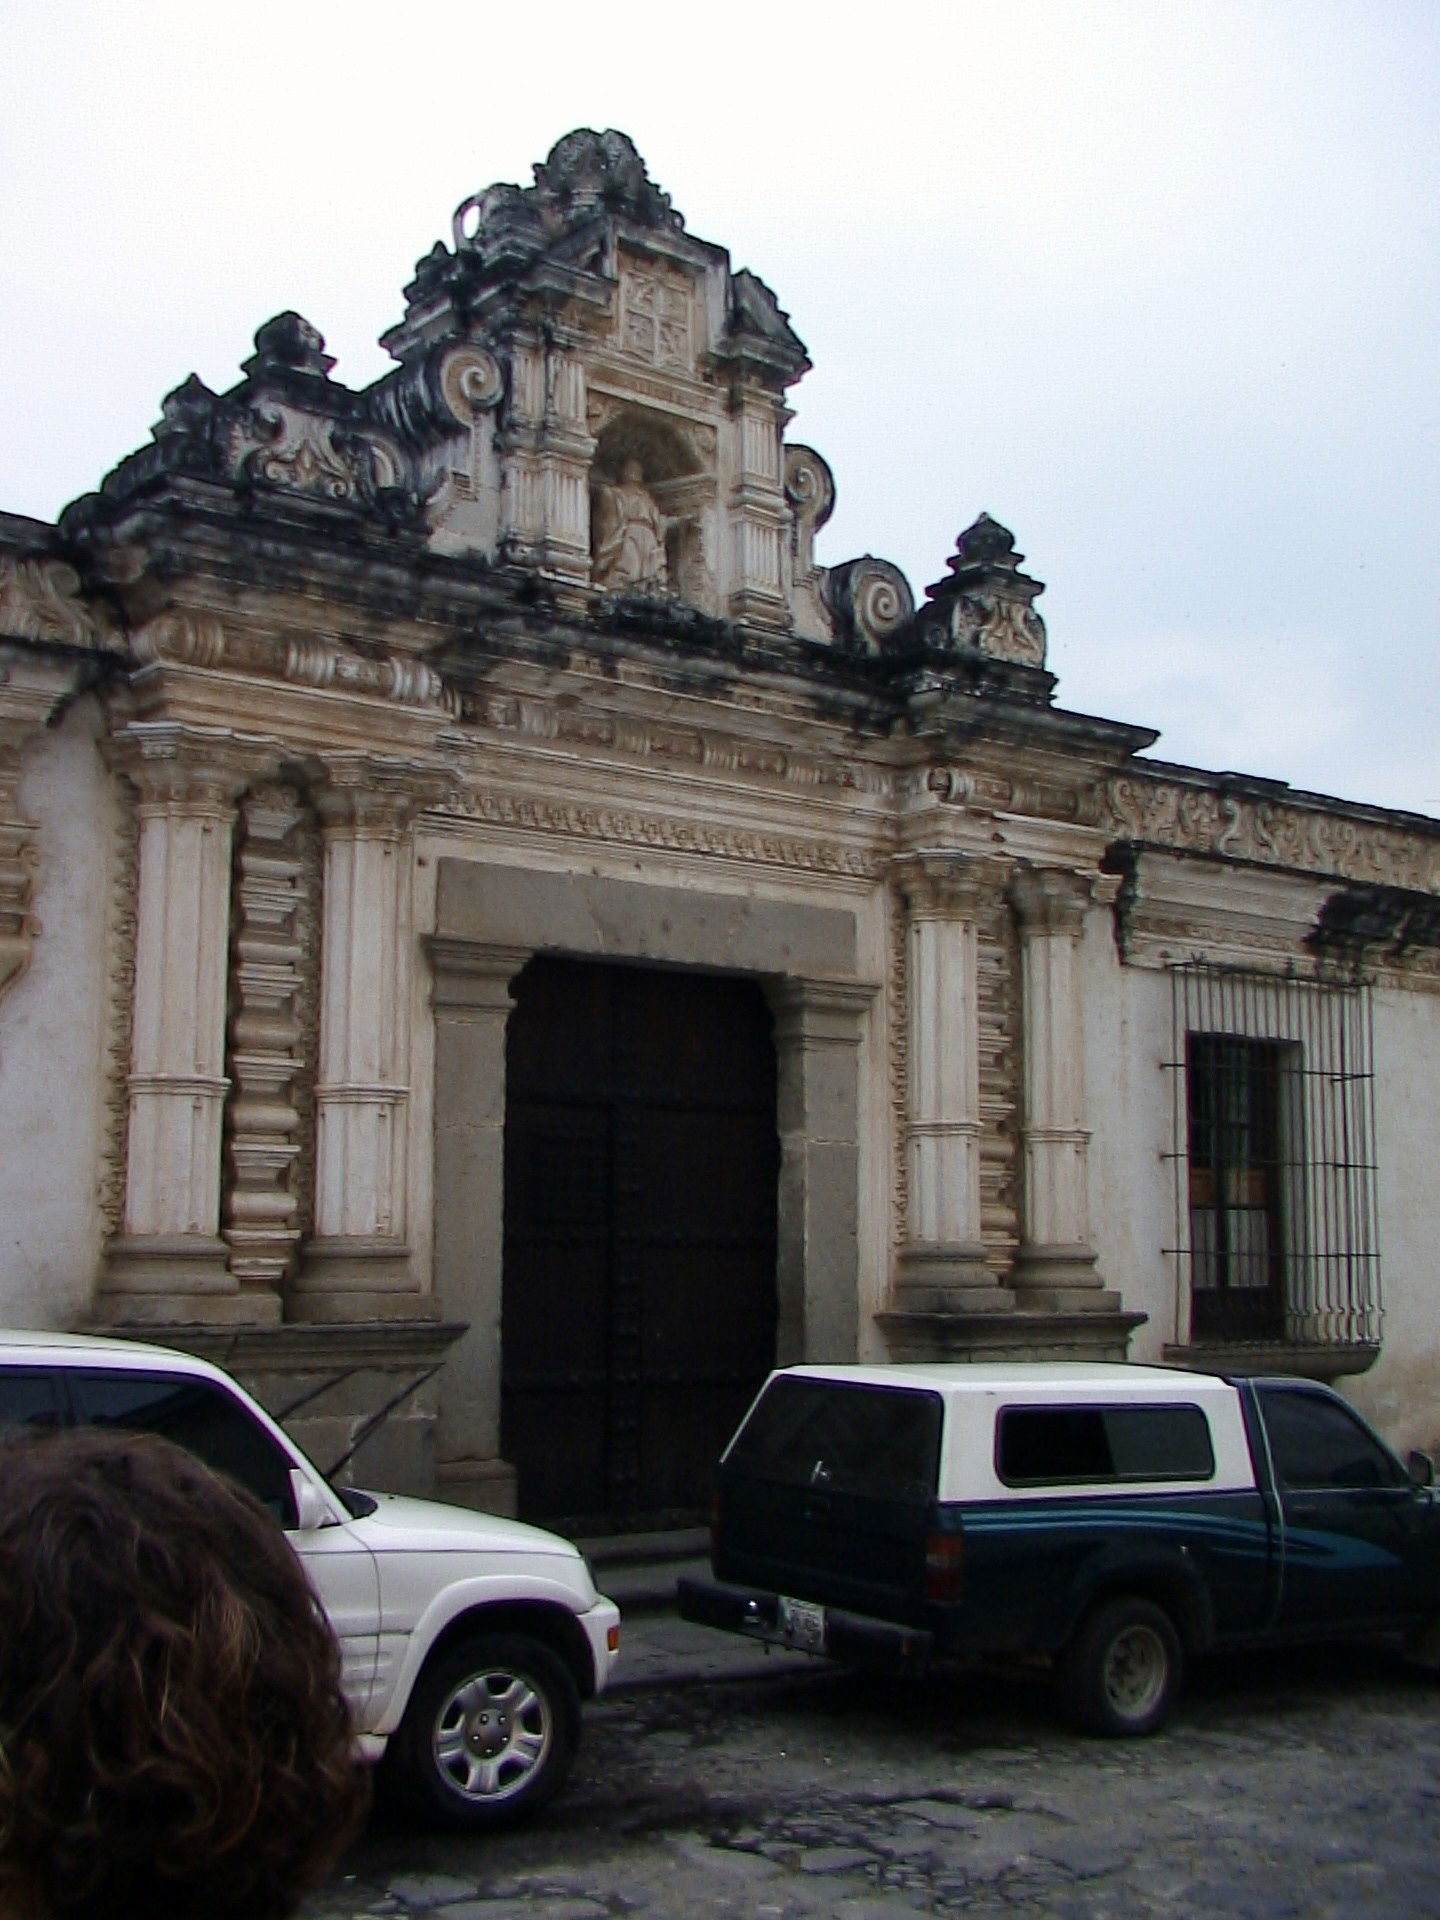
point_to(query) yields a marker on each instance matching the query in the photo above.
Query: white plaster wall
(52, 1037)
(1401, 1393)
(1126, 1016)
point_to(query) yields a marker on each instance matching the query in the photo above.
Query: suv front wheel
(489, 1733)
(1121, 1673)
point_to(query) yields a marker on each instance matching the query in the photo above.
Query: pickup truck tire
(488, 1735)
(1120, 1676)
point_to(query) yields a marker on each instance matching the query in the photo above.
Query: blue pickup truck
(1111, 1521)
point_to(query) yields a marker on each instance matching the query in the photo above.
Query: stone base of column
(344, 1279)
(177, 1279)
(1023, 1334)
(945, 1279)
(1061, 1279)
(489, 1486)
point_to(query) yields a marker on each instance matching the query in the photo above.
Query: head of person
(174, 1743)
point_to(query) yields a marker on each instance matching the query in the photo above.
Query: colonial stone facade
(488, 922)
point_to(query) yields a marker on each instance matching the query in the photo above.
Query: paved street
(714, 1783)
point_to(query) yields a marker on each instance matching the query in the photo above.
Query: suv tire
(1121, 1674)
(488, 1735)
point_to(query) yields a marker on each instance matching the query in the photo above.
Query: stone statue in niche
(627, 533)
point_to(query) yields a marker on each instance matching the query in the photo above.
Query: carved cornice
(619, 827)
(40, 600)
(697, 747)
(200, 640)
(1236, 826)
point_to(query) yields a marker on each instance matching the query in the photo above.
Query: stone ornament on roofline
(985, 603)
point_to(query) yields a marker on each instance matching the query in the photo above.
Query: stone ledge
(1311, 1362)
(1020, 1334)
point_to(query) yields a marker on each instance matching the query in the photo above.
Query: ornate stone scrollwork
(39, 600)
(871, 601)
(471, 382)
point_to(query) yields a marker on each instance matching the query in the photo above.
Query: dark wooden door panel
(641, 1160)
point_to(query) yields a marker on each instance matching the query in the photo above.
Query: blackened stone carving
(871, 602)
(985, 603)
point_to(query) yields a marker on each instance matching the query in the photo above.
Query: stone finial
(288, 345)
(588, 172)
(984, 603)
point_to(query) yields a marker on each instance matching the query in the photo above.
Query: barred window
(1273, 1151)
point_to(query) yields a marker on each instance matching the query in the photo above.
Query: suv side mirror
(1420, 1467)
(311, 1512)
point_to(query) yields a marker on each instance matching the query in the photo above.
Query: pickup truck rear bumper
(854, 1639)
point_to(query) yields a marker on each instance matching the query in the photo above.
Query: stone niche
(653, 509)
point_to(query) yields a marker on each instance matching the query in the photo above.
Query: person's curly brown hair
(173, 1738)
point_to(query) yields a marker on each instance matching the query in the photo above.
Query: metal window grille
(1273, 1154)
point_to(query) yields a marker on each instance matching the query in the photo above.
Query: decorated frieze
(1219, 820)
(41, 600)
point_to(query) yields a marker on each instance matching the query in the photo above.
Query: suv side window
(882, 1442)
(1318, 1443)
(31, 1399)
(1071, 1446)
(197, 1415)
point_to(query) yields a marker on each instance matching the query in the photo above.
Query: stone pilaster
(32, 686)
(546, 450)
(1055, 1267)
(942, 1260)
(818, 1027)
(169, 1264)
(472, 1002)
(357, 1266)
(759, 517)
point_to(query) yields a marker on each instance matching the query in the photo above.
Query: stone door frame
(490, 921)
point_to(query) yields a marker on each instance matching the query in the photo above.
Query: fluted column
(1055, 1267)
(943, 1263)
(357, 1266)
(169, 1262)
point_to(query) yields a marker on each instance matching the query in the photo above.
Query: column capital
(192, 769)
(1050, 900)
(946, 883)
(372, 792)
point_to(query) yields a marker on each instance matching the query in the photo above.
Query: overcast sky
(1155, 282)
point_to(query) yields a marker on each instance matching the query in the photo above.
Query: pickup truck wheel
(1121, 1674)
(488, 1735)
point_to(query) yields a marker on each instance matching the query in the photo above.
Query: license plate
(802, 1624)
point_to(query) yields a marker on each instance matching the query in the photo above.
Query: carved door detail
(641, 1158)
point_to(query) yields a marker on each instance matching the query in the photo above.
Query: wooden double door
(639, 1305)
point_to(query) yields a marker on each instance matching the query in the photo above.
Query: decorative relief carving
(18, 861)
(610, 824)
(120, 1001)
(1273, 833)
(260, 1207)
(306, 453)
(471, 382)
(40, 600)
(980, 789)
(998, 974)
(657, 318)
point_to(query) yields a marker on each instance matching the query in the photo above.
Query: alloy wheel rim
(492, 1734)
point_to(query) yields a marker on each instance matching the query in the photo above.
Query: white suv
(468, 1640)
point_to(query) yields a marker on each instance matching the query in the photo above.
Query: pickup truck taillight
(944, 1568)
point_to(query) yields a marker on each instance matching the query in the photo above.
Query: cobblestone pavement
(1306, 1785)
